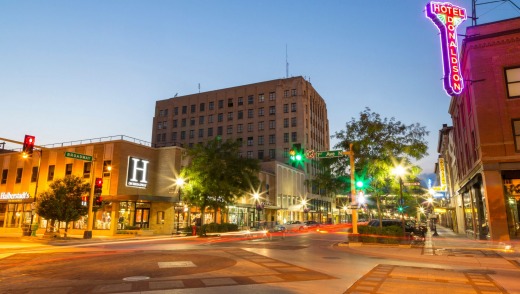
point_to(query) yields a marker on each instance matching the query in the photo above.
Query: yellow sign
(440, 210)
(442, 173)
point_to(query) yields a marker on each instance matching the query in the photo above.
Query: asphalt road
(300, 262)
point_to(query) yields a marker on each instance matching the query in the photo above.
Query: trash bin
(26, 230)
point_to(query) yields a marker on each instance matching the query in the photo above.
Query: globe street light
(179, 182)
(256, 197)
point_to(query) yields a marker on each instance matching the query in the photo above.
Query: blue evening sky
(72, 70)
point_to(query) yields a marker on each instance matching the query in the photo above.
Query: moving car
(311, 224)
(294, 226)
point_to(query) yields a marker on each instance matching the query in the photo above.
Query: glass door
(142, 217)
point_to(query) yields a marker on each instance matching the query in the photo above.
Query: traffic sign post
(78, 156)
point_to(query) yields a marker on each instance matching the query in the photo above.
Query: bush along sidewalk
(216, 228)
(385, 235)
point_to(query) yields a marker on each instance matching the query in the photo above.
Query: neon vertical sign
(447, 17)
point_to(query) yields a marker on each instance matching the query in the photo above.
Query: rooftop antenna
(175, 95)
(286, 63)
(199, 88)
(474, 8)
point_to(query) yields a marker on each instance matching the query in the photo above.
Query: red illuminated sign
(447, 17)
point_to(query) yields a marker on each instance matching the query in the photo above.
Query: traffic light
(98, 200)
(84, 200)
(98, 186)
(297, 155)
(28, 145)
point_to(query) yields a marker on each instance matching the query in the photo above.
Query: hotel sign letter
(447, 17)
(137, 169)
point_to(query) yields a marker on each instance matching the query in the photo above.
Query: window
(176, 110)
(516, 134)
(201, 120)
(161, 113)
(184, 109)
(210, 132)
(272, 139)
(230, 116)
(219, 131)
(240, 101)
(202, 106)
(260, 140)
(240, 142)
(165, 125)
(293, 92)
(285, 152)
(192, 134)
(239, 128)
(163, 137)
(261, 98)
(293, 136)
(50, 174)
(183, 122)
(261, 126)
(174, 136)
(272, 153)
(286, 93)
(249, 154)
(159, 125)
(293, 122)
(230, 102)
(160, 217)
(293, 107)
(107, 168)
(261, 111)
(272, 124)
(158, 137)
(285, 137)
(183, 135)
(229, 130)
(4, 176)
(272, 96)
(220, 117)
(260, 154)
(249, 141)
(34, 174)
(210, 118)
(250, 99)
(201, 133)
(250, 127)
(250, 113)
(513, 82)
(272, 110)
(240, 114)
(68, 169)
(285, 122)
(192, 121)
(220, 104)
(286, 108)
(211, 105)
(174, 123)
(166, 112)
(19, 172)
(193, 108)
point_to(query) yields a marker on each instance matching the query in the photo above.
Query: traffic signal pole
(88, 233)
(353, 190)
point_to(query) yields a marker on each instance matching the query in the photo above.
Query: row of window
(220, 103)
(50, 174)
(191, 135)
(230, 115)
(272, 123)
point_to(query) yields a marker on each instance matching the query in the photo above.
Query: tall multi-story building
(486, 131)
(268, 118)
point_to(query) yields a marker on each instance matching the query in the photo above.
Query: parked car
(294, 226)
(311, 224)
(408, 226)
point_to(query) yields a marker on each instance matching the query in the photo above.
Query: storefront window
(17, 214)
(468, 211)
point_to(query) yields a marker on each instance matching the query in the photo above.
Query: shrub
(219, 228)
(387, 235)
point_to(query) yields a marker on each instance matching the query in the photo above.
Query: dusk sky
(72, 70)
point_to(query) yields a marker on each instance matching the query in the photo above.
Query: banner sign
(137, 172)
(447, 17)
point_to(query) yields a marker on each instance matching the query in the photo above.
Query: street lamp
(432, 220)
(179, 182)
(400, 171)
(256, 212)
(305, 209)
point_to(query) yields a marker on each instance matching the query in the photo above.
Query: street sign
(412, 184)
(78, 156)
(330, 154)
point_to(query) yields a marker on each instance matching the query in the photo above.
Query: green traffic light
(298, 157)
(359, 184)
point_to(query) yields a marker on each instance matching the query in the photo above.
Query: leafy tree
(379, 145)
(62, 202)
(217, 175)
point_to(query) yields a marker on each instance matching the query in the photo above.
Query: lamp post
(179, 183)
(305, 209)
(432, 220)
(256, 212)
(33, 206)
(400, 171)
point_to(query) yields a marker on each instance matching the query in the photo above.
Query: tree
(380, 144)
(62, 202)
(218, 175)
